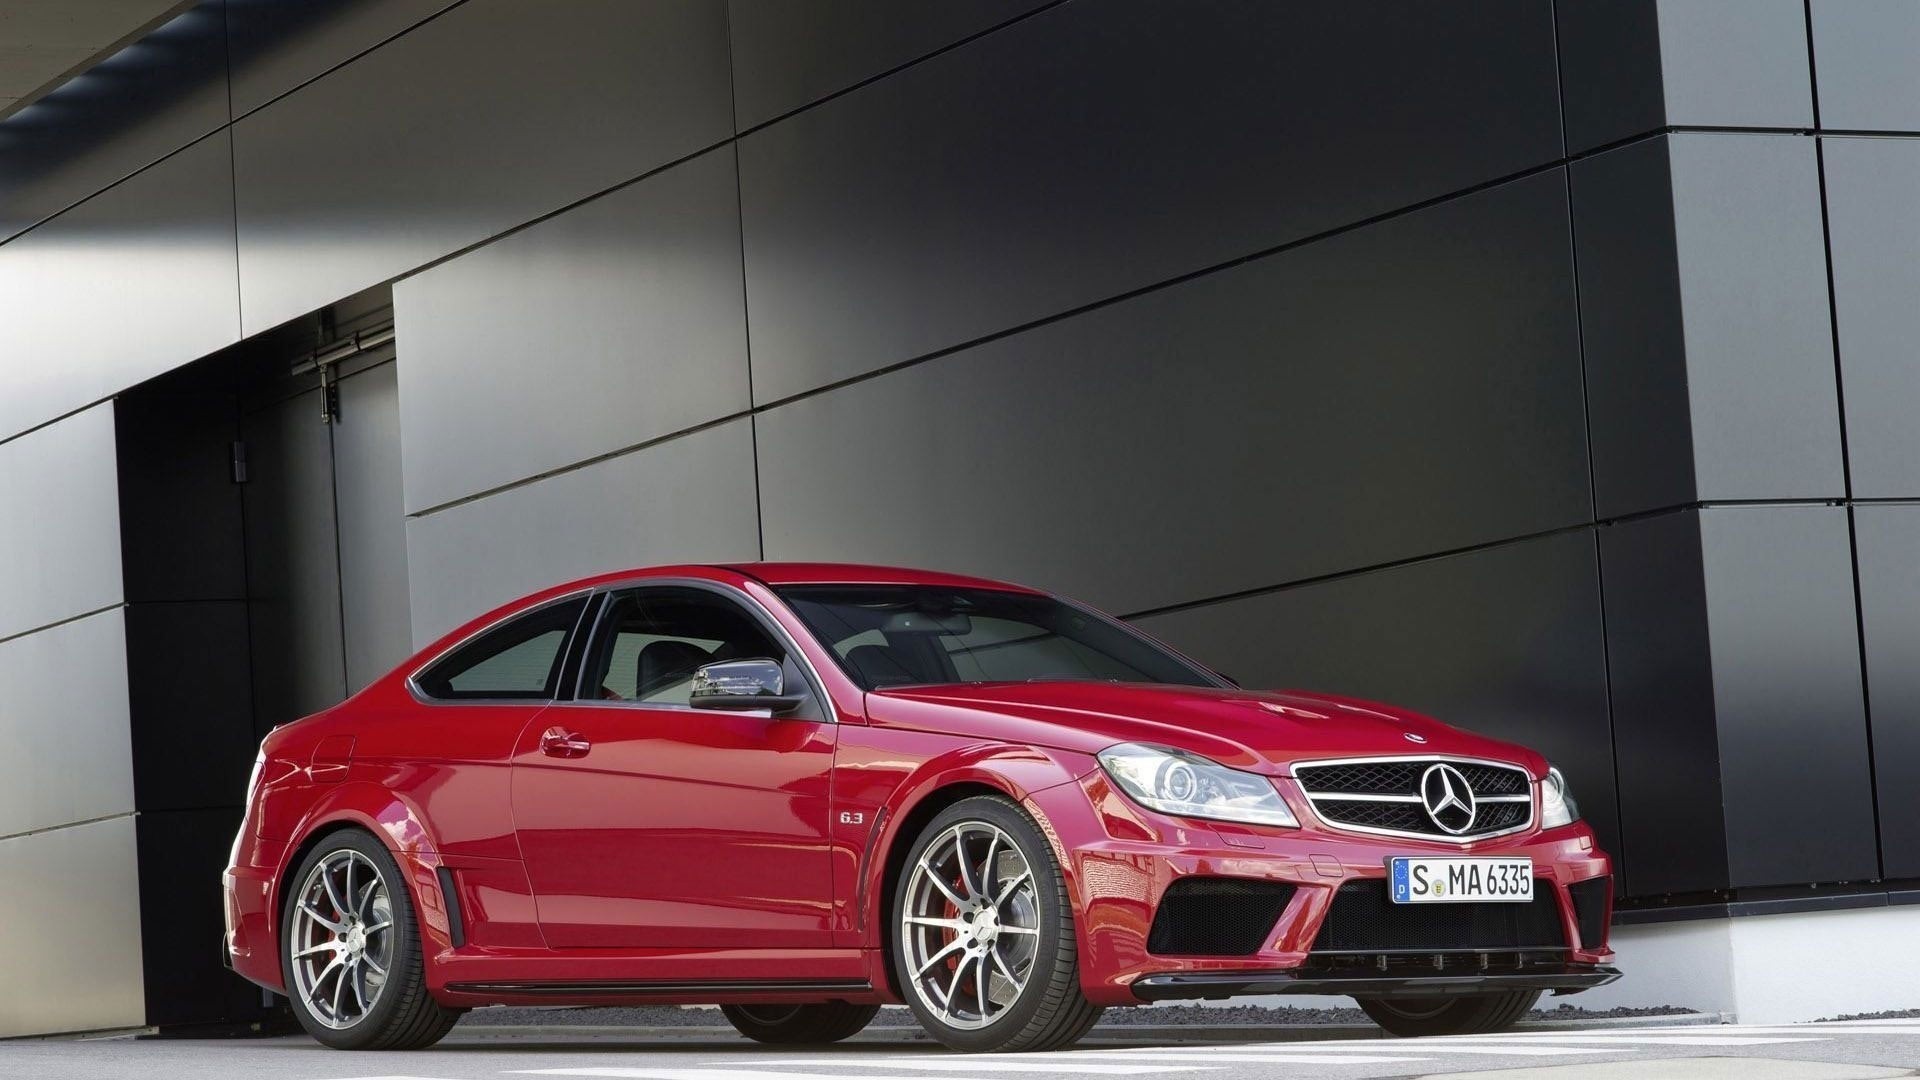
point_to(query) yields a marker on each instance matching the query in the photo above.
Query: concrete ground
(1608, 1050)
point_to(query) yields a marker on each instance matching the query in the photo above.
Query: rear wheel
(350, 951)
(828, 1022)
(983, 941)
(1459, 1014)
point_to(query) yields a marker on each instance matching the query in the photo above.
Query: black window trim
(424, 698)
(570, 695)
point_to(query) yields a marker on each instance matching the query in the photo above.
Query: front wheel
(828, 1022)
(350, 951)
(982, 933)
(1457, 1014)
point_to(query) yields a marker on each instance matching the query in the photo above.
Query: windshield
(905, 635)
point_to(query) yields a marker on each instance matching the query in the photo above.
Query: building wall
(1527, 362)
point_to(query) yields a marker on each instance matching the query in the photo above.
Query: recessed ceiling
(45, 42)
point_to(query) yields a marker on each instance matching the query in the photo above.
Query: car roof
(798, 573)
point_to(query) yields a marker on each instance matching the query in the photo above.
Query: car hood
(1260, 731)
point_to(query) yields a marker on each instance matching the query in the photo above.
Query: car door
(645, 822)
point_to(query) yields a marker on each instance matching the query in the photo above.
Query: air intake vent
(1217, 916)
(1590, 910)
(1363, 919)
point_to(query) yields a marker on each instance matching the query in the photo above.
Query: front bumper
(1121, 860)
(1563, 978)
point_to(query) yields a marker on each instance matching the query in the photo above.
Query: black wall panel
(1631, 330)
(492, 114)
(1097, 148)
(1665, 743)
(122, 115)
(1346, 404)
(1506, 641)
(1886, 539)
(173, 442)
(191, 699)
(1787, 694)
(1864, 53)
(787, 55)
(180, 913)
(1874, 236)
(1610, 80)
(275, 46)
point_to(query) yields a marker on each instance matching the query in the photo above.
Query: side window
(651, 641)
(519, 659)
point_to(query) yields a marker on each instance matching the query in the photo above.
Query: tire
(790, 1025)
(349, 1004)
(1032, 998)
(1462, 1014)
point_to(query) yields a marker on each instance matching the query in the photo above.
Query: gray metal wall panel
(1735, 63)
(1864, 52)
(617, 322)
(1609, 70)
(85, 877)
(1631, 330)
(454, 138)
(1505, 641)
(786, 55)
(1665, 744)
(1753, 282)
(275, 46)
(1874, 229)
(689, 499)
(63, 735)
(1787, 694)
(60, 534)
(1094, 149)
(1259, 425)
(135, 281)
(128, 111)
(373, 525)
(293, 577)
(1886, 538)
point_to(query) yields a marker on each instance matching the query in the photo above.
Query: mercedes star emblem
(1448, 798)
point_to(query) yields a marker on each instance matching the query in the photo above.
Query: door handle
(559, 742)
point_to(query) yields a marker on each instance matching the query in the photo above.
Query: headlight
(1176, 782)
(1556, 801)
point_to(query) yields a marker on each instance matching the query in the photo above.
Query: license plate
(1459, 881)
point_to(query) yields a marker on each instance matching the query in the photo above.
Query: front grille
(1363, 919)
(1217, 916)
(1383, 795)
(1590, 909)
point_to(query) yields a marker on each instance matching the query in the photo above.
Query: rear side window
(520, 659)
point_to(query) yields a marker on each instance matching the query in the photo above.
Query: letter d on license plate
(1447, 881)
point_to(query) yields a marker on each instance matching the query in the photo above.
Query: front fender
(1018, 772)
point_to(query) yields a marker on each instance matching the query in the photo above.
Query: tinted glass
(900, 635)
(519, 659)
(651, 641)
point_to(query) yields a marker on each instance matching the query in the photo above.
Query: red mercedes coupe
(804, 791)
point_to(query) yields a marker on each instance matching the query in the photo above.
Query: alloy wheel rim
(342, 943)
(970, 925)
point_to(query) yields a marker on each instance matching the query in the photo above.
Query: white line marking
(719, 1074)
(1218, 1054)
(1058, 1063)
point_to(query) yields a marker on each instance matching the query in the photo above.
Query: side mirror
(741, 685)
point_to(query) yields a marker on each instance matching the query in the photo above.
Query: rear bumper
(1566, 978)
